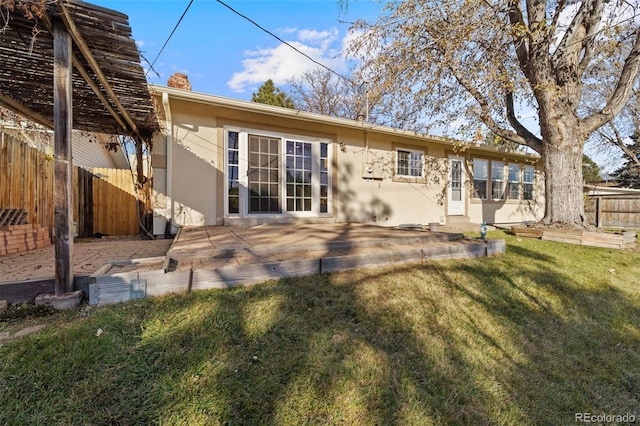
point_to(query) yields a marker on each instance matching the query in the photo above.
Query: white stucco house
(223, 161)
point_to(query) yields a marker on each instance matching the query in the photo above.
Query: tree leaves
(269, 94)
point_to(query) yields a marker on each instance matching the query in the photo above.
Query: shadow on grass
(510, 340)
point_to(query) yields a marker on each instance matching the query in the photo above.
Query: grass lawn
(534, 336)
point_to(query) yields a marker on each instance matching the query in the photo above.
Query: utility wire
(284, 42)
(168, 38)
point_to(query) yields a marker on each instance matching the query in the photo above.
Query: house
(222, 161)
(605, 189)
(89, 149)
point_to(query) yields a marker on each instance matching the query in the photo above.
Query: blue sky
(224, 54)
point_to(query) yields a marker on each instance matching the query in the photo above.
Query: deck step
(120, 287)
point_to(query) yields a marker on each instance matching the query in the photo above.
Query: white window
(409, 163)
(274, 174)
(497, 180)
(527, 182)
(263, 173)
(299, 174)
(233, 168)
(324, 177)
(480, 176)
(514, 181)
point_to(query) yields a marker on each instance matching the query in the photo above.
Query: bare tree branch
(622, 92)
(592, 24)
(618, 141)
(486, 111)
(573, 34)
(520, 38)
(532, 141)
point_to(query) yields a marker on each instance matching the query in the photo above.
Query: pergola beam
(16, 106)
(87, 78)
(95, 67)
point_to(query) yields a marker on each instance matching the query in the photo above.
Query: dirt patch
(19, 330)
(21, 312)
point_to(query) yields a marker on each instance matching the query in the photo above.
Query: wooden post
(598, 212)
(62, 127)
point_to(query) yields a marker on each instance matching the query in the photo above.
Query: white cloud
(319, 38)
(286, 30)
(282, 62)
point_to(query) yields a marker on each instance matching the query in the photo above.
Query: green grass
(530, 337)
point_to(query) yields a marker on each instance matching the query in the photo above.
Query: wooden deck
(226, 256)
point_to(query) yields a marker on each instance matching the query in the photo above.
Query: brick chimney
(179, 81)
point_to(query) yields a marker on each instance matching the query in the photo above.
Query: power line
(169, 38)
(284, 42)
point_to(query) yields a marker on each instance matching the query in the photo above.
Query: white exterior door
(456, 199)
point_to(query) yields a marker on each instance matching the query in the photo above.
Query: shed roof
(110, 93)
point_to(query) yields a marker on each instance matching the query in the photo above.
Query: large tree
(488, 61)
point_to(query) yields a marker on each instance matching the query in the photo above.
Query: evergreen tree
(590, 170)
(269, 94)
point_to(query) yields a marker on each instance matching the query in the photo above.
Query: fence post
(598, 212)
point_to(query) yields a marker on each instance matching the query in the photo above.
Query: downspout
(169, 136)
(375, 192)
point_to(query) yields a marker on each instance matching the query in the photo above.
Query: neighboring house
(89, 150)
(224, 161)
(606, 189)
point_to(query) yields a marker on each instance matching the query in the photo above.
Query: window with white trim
(324, 177)
(511, 181)
(233, 167)
(299, 176)
(514, 181)
(264, 174)
(528, 180)
(409, 163)
(497, 180)
(480, 178)
(275, 174)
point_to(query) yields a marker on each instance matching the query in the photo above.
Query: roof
(219, 101)
(110, 92)
(597, 190)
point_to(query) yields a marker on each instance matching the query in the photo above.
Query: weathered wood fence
(104, 199)
(615, 211)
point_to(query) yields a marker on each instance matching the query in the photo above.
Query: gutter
(169, 138)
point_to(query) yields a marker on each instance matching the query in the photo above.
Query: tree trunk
(562, 157)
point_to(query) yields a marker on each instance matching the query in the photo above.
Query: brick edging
(20, 238)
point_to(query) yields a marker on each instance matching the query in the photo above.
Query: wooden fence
(104, 200)
(614, 211)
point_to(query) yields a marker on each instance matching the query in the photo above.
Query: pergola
(73, 65)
